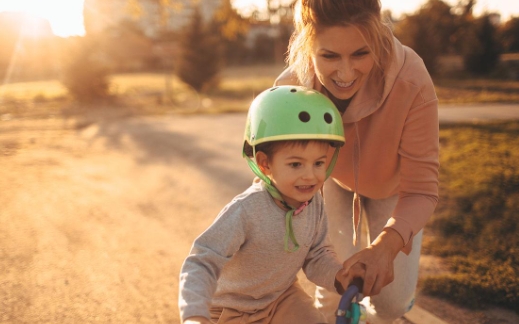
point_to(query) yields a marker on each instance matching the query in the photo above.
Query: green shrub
(86, 72)
(477, 218)
(481, 48)
(200, 57)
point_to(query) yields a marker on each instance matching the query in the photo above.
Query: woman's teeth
(344, 84)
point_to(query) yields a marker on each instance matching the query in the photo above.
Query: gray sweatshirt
(239, 262)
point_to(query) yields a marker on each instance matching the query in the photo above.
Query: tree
(127, 46)
(280, 16)
(428, 32)
(509, 35)
(85, 74)
(233, 30)
(199, 60)
(481, 49)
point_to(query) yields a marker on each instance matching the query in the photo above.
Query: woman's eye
(361, 53)
(329, 56)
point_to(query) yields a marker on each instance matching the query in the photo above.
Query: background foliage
(86, 73)
(199, 60)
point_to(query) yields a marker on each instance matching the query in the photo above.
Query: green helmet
(293, 113)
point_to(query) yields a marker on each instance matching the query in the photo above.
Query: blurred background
(100, 49)
(121, 125)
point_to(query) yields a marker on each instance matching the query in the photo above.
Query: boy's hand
(197, 320)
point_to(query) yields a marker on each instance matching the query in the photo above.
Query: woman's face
(342, 60)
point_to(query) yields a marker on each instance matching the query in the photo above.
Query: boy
(243, 268)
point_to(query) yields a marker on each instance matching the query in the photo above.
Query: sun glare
(64, 16)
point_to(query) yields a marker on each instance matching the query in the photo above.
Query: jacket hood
(375, 90)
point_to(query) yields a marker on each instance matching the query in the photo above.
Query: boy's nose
(309, 174)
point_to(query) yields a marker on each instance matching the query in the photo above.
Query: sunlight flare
(65, 16)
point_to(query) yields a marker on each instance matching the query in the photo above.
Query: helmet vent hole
(293, 90)
(273, 89)
(328, 118)
(304, 116)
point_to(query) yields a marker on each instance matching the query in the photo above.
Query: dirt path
(96, 221)
(96, 217)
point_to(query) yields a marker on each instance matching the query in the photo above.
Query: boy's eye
(294, 164)
(319, 163)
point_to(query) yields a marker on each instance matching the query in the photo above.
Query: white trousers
(396, 298)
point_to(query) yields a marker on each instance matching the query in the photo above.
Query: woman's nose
(345, 70)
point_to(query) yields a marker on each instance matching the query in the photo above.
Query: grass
(464, 91)
(32, 91)
(144, 93)
(477, 219)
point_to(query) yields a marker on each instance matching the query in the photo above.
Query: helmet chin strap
(274, 192)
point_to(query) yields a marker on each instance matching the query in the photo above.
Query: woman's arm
(419, 165)
(375, 263)
(418, 195)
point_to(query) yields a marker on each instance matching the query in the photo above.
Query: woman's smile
(343, 84)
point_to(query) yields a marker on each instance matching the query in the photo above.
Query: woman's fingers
(346, 265)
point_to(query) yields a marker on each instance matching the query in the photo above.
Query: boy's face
(297, 171)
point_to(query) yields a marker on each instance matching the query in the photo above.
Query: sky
(66, 16)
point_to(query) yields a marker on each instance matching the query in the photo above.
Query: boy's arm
(322, 266)
(201, 269)
(197, 320)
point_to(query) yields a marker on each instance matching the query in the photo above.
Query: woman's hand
(197, 320)
(375, 263)
(344, 277)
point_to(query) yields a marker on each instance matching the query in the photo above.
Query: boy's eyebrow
(300, 158)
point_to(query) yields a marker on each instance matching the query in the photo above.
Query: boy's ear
(263, 162)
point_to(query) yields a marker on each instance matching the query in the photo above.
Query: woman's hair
(310, 16)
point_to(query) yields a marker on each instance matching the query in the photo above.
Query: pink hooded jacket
(391, 130)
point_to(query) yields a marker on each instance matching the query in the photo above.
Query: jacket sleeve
(419, 164)
(321, 264)
(209, 253)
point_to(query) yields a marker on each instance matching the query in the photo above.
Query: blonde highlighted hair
(311, 16)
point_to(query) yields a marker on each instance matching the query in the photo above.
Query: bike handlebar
(346, 300)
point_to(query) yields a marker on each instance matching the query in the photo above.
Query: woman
(386, 177)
